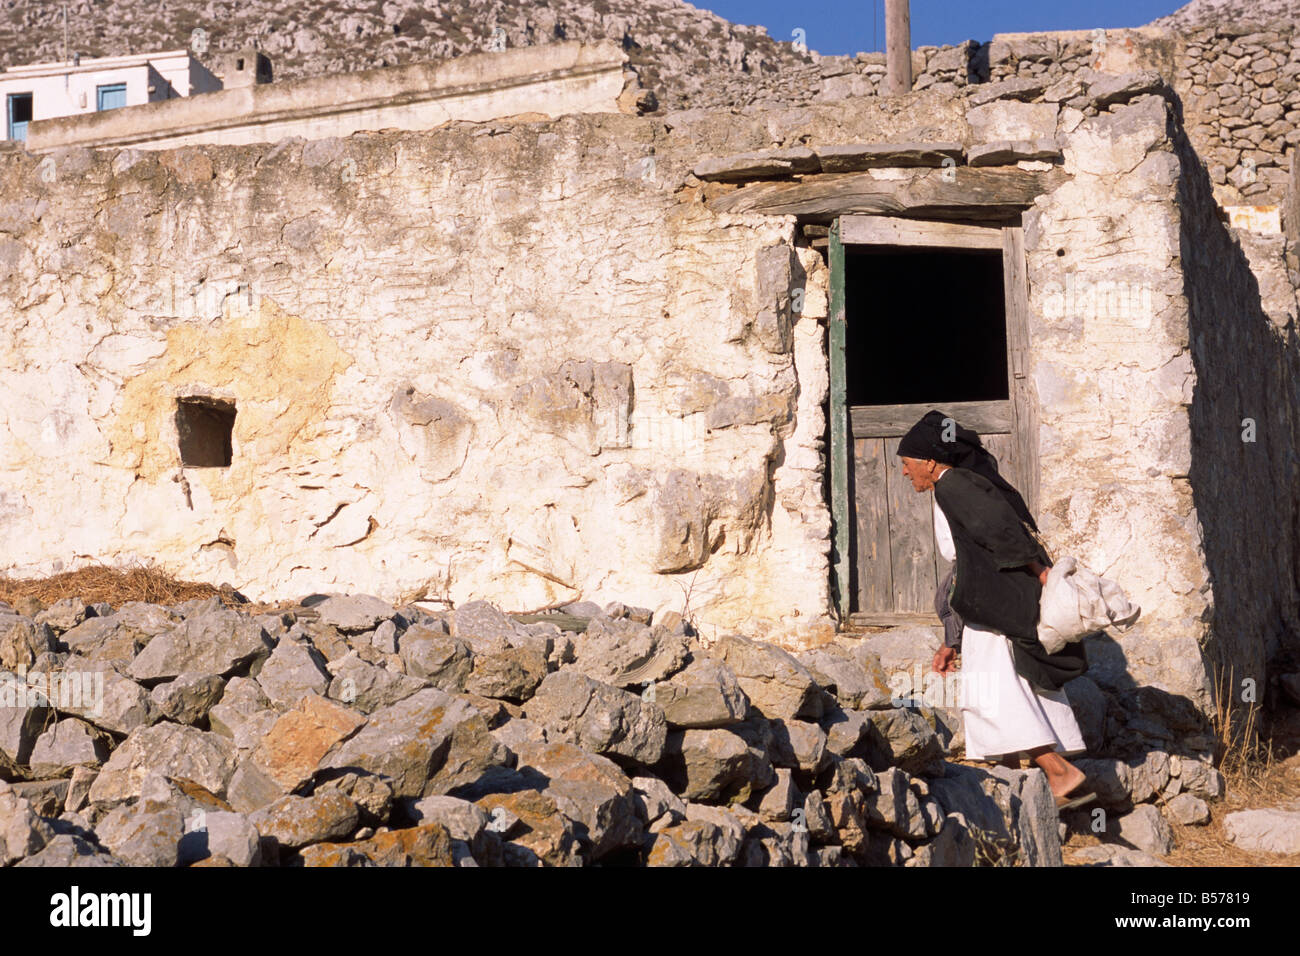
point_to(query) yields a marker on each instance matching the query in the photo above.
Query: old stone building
(666, 359)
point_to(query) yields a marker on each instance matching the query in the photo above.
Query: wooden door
(887, 565)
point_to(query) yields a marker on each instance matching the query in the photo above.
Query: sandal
(1069, 803)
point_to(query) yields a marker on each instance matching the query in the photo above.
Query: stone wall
(1239, 85)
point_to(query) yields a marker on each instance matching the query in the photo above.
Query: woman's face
(920, 472)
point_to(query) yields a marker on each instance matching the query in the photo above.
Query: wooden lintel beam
(956, 193)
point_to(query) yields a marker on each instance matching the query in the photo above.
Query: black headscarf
(938, 436)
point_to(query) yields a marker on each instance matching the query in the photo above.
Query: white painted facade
(72, 88)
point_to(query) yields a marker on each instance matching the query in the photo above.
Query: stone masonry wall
(1239, 85)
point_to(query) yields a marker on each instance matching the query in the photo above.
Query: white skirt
(1002, 713)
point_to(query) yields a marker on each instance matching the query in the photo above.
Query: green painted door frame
(838, 411)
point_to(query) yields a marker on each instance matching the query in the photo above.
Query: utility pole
(65, 33)
(898, 47)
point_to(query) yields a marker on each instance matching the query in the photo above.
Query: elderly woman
(981, 524)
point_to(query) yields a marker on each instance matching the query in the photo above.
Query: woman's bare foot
(1062, 776)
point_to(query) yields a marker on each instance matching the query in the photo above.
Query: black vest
(992, 587)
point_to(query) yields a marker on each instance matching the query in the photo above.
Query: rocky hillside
(346, 731)
(1205, 13)
(690, 57)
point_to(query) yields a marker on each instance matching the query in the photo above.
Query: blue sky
(845, 26)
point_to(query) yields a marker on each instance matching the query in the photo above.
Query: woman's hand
(1040, 571)
(944, 658)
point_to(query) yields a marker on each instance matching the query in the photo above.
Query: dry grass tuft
(113, 586)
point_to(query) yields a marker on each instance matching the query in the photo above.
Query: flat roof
(90, 65)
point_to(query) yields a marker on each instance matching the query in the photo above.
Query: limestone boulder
(705, 694)
(175, 750)
(214, 642)
(775, 682)
(188, 698)
(599, 717)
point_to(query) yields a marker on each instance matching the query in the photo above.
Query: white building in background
(47, 90)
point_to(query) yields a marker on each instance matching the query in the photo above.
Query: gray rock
(140, 836)
(1148, 775)
(705, 694)
(1188, 810)
(22, 641)
(1108, 778)
(592, 792)
(251, 788)
(116, 703)
(715, 765)
(1108, 854)
(171, 749)
(214, 642)
(758, 164)
(655, 801)
(243, 714)
(233, 836)
(1010, 152)
(970, 791)
(817, 818)
(775, 682)
(63, 615)
(354, 613)
(70, 743)
(777, 802)
(1106, 90)
(21, 831)
(409, 741)
(952, 846)
(79, 788)
(293, 821)
(22, 717)
(847, 732)
(367, 687)
(1146, 828)
(463, 820)
(384, 638)
(1201, 779)
(1264, 831)
(798, 745)
(1017, 88)
(900, 651)
(1008, 120)
(68, 850)
(292, 671)
(437, 657)
(894, 807)
(519, 731)
(625, 653)
(1034, 816)
(188, 698)
(903, 738)
(851, 157)
(858, 682)
(598, 717)
(46, 797)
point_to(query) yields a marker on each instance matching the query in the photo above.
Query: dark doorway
(924, 325)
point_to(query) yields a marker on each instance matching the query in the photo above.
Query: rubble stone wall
(1239, 85)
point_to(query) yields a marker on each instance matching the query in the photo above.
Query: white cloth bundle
(1076, 603)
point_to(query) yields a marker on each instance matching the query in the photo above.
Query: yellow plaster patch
(279, 369)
